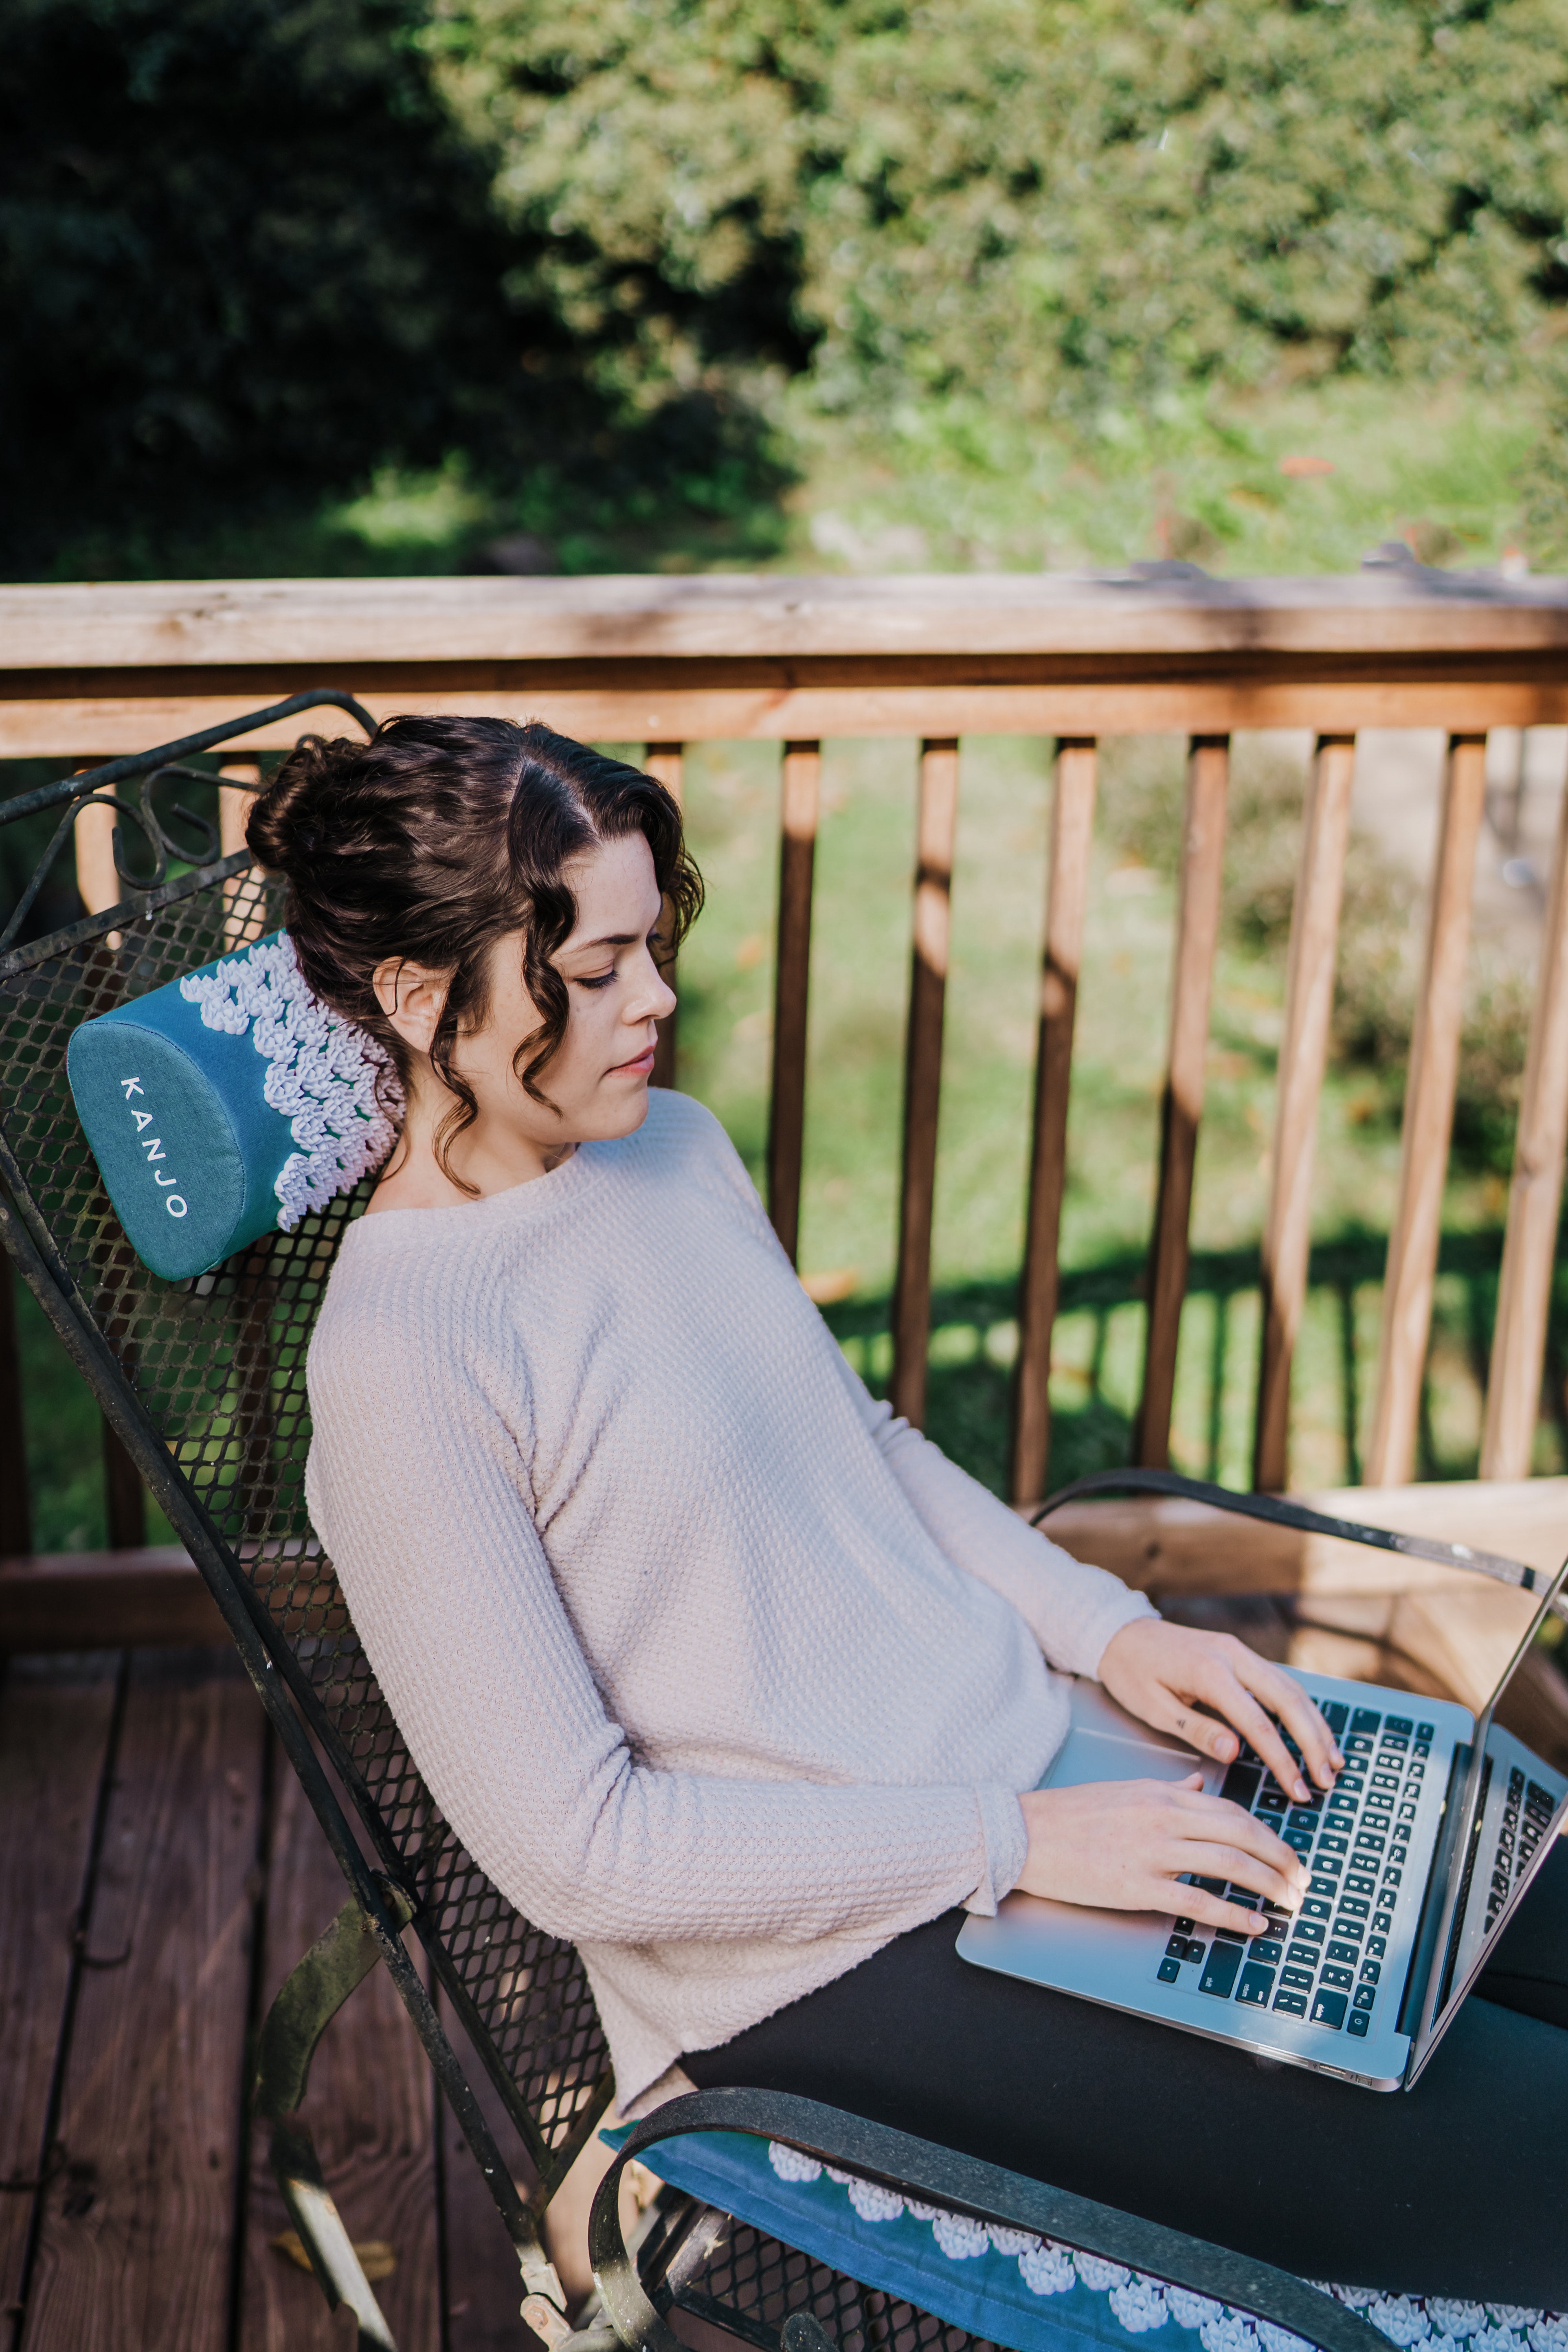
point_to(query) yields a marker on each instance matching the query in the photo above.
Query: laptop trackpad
(1106, 1744)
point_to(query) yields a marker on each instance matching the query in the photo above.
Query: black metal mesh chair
(204, 1382)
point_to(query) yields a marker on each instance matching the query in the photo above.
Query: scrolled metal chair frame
(382, 1857)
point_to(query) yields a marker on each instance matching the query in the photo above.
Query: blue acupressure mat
(1029, 2294)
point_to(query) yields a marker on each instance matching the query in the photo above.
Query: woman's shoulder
(681, 1138)
(406, 1293)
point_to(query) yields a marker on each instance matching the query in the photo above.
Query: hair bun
(284, 832)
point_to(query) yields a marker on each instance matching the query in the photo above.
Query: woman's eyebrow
(610, 939)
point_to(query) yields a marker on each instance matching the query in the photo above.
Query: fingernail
(1302, 1791)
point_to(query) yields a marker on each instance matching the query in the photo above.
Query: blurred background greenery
(328, 285)
(400, 285)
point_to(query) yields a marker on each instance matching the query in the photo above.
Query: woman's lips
(639, 1066)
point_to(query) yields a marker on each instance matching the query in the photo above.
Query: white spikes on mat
(1141, 2303)
(334, 1082)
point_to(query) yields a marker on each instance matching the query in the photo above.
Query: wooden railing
(88, 672)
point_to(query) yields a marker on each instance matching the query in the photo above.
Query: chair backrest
(218, 1365)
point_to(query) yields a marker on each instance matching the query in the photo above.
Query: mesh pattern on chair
(758, 2280)
(219, 1364)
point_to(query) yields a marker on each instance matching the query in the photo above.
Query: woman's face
(598, 1077)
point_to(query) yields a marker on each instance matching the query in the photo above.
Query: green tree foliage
(241, 255)
(1058, 201)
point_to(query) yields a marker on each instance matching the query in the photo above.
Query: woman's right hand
(1122, 1845)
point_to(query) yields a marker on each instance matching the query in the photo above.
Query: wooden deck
(160, 1874)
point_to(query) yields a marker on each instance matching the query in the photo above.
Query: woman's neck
(488, 1155)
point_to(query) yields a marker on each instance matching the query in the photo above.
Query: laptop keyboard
(1324, 1962)
(1526, 1818)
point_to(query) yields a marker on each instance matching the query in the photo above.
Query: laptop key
(1293, 2004)
(1176, 1949)
(1241, 1784)
(1170, 1972)
(1182, 1927)
(1300, 1978)
(1329, 2009)
(1343, 1977)
(1256, 1986)
(1366, 1718)
(1219, 1977)
(1364, 1996)
(1357, 2023)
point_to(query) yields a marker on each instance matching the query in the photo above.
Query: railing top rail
(1146, 611)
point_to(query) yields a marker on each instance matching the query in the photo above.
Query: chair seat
(1027, 2293)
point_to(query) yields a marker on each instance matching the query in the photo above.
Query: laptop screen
(1447, 1982)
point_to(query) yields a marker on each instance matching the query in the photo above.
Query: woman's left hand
(1167, 1674)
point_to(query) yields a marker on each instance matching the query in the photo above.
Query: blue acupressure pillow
(226, 1104)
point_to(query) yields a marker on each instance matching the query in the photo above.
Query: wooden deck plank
(151, 1596)
(55, 1733)
(371, 2107)
(135, 2246)
(484, 2287)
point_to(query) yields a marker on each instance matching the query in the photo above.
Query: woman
(722, 1672)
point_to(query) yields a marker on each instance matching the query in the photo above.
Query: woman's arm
(1071, 1610)
(426, 1520)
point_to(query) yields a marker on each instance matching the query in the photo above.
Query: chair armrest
(1282, 1513)
(985, 2192)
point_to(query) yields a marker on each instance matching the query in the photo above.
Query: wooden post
(97, 877)
(922, 1073)
(1192, 981)
(240, 782)
(1530, 1245)
(1303, 1055)
(1066, 900)
(100, 886)
(1428, 1122)
(15, 1511)
(666, 762)
(792, 983)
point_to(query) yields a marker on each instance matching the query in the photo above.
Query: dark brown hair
(434, 840)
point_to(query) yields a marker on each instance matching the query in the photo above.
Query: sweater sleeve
(420, 1493)
(1072, 1610)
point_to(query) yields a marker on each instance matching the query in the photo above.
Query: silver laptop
(1417, 1858)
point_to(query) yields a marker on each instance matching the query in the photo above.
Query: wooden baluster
(1303, 1055)
(1530, 1245)
(1428, 1122)
(97, 876)
(1191, 978)
(666, 762)
(1066, 900)
(240, 780)
(16, 1512)
(100, 886)
(922, 1073)
(791, 979)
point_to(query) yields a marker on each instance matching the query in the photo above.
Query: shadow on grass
(969, 1387)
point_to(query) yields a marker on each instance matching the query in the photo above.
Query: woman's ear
(412, 998)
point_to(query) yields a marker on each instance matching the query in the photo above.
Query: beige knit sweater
(714, 1666)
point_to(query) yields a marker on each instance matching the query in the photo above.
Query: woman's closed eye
(598, 979)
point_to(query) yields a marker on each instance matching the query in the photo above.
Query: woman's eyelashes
(603, 979)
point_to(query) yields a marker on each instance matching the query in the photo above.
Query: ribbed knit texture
(715, 1667)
